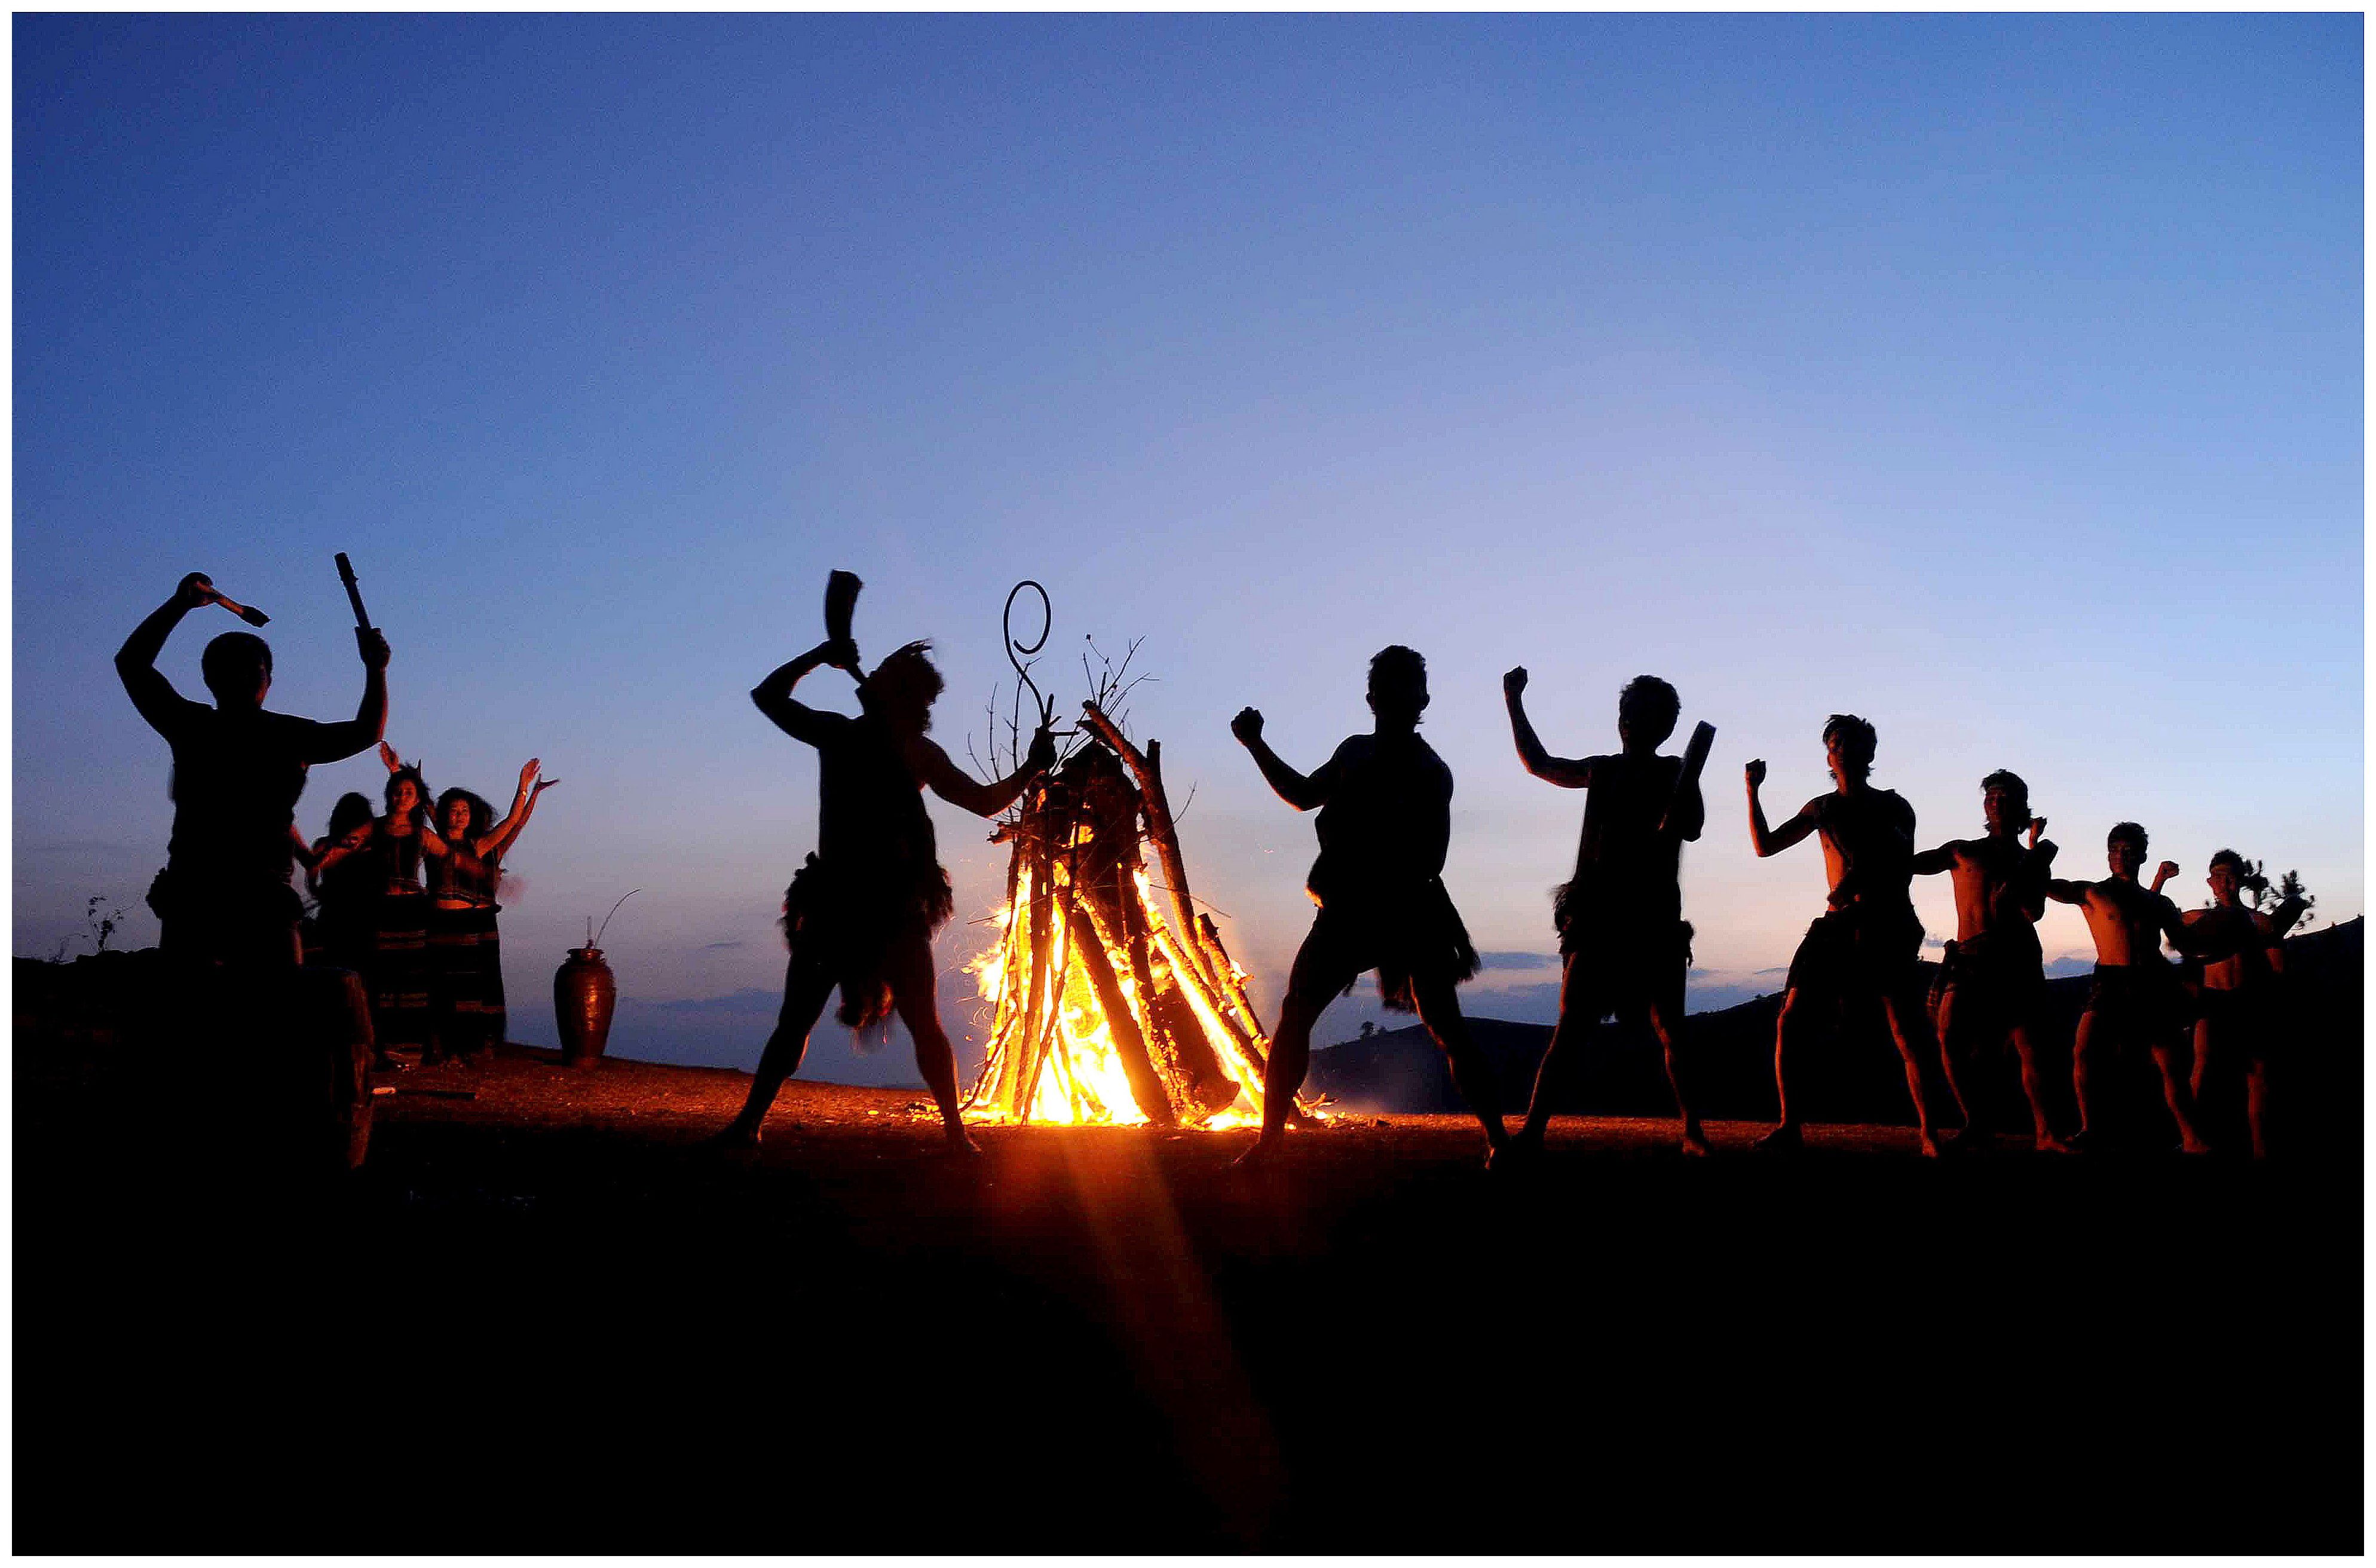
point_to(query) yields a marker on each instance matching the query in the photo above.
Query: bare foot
(1930, 1149)
(1695, 1142)
(736, 1134)
(956, 1141)
(1259, 1154)
(2049, 1143)
(1784, 1139)
(2194, 1145)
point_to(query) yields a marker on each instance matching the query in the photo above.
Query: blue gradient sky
(1999, 379)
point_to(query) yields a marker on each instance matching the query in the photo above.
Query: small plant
(102, 927)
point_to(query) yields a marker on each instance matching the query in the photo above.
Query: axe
(840, 601)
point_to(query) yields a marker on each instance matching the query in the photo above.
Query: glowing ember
(1103, 1012)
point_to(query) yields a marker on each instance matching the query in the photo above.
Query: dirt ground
(546, 1318)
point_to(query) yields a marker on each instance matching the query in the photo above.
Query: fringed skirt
(398, 971)
(466, 979)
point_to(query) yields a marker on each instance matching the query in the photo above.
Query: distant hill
(1851, 1077)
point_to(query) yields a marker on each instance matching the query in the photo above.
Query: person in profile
(860, 912)
(2135, 1000)
(2239, 1023)
(1625, 946)
(1867, 941)
(1991, 980)
(224, 898)
(1385, 800)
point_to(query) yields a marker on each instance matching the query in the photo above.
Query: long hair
(352, 810)
(405, 776)
(2010, 782)
(904, 681)
(482, 815)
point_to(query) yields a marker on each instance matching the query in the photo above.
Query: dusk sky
(1999, 379)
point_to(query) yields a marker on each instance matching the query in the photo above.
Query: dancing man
(1385, 800)
(861, 911)
(1867, 941)
(1992, 979)
(224, 897)
(2240, 996)
(1625, 946)
(2134, 998)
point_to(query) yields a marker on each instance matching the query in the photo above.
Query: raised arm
(952, 784)
(136, 662)
(2065, 891)
(1568, 773)
(1773, 842)
(336, 742)
(1296, 790)
(2037, 864)
(774, 694)
(499, 838)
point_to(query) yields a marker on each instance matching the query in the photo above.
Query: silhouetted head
(2229, 870)
(1646, 709)
(1397, 686)
(2005, 799)
(405, 793)
(237, 667)
(1849, 745)
(902, 689)
(2125, 848)
(352, 810)
(462, 814)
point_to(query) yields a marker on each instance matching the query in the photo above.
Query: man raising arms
(1868, 940)
(1386, 820)
(224, 897)
(1625, 946)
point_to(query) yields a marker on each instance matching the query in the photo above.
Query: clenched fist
(1247, 726)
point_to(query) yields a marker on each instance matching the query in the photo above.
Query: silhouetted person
(2135, 999)
(1625, 946)
(1867, 941)
(1386, 820)
(1992, 979)
(238, 768)
(338, 876)
(2241, 1022)
(861, 911)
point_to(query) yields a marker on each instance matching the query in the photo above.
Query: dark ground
(543, 1320)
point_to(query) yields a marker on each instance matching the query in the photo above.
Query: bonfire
(1113, 1000)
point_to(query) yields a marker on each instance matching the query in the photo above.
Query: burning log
(1101, 1011)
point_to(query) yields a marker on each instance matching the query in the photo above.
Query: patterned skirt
(398, 970)
(466, 979)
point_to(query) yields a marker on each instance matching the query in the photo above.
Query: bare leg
(2082, 1067)
(2024, 1042)
(1667, 1023)
(2173, 1091)
(807, 988)
(2256, 1105)
(1439, 1009)
(1901, 1014)
(1955, 1025)
(1579, 1014)
(2203, 1048)
(913, 995)
(1290, 1056)
(1785, 1127)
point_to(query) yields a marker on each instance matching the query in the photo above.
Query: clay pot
(583, 997)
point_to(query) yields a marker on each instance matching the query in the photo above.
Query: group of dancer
(861, 915)
(862, 911)
(429, 954)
